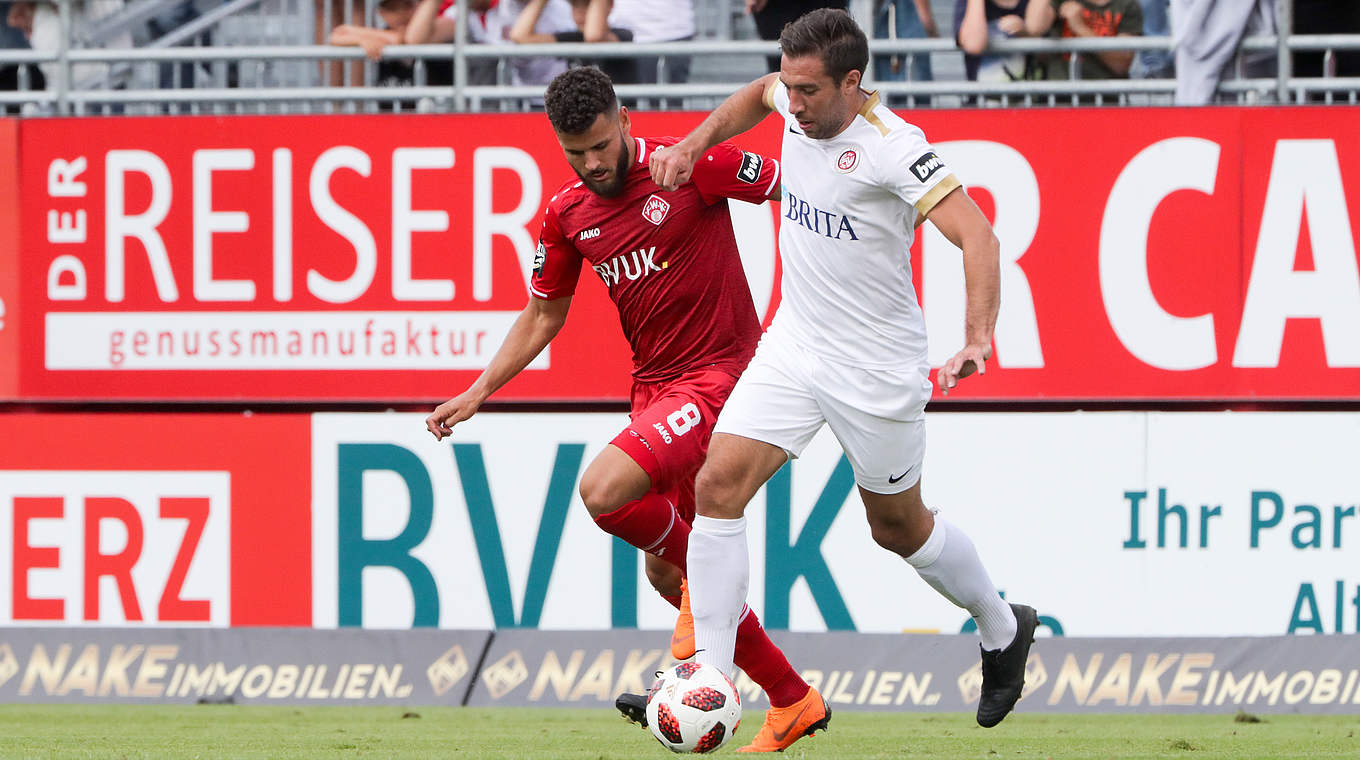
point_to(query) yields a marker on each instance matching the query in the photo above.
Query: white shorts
(787, 392)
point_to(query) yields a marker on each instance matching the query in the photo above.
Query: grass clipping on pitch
(284, 733)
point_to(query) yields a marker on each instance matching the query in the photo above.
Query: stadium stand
(257, 56)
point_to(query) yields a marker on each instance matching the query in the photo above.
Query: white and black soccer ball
(693, 708)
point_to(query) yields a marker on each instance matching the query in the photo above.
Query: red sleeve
(557, 263)
(727, 171)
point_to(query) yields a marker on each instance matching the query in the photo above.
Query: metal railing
(255, 85)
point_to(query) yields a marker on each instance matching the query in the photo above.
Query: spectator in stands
(771, 16)
(553, 18)
(976, 24)
(1326, 17)
(436, 22)
(1207, 36)
(1156, 64)
(12, 38)
(657, 21)
(167, 21)
(333, 72)
(592, 21)
(903, 20)
(396, 16)
(41, 26)
(1087, 18)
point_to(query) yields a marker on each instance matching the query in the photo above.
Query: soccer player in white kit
(847, 346)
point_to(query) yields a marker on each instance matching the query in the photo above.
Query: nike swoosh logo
(793, 131)
(779, 735)
(680, 639)
(891, 479)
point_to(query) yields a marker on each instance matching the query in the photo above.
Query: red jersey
(670, 260)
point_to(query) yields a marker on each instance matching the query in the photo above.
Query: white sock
(719, 573)
(949, 562)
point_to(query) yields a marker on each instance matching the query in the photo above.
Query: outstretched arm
(1039, 18)
(533, 330)
(963, 223)
(744, 109)
(973, 28)
(427, 26)
(596, 28)
(371, 40)
(522, 33)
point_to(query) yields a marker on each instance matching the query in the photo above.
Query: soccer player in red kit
(671, 265)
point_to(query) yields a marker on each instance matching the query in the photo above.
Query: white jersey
(654, 20)
(850, 206)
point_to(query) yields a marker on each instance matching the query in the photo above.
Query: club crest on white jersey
(847, 161)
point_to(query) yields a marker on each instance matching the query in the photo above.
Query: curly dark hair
(833, 35)
(576, 97)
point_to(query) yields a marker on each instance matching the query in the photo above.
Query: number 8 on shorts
(683, 419)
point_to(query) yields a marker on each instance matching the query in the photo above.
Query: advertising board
(154, 519)
(1110, 524)
(1209, 254)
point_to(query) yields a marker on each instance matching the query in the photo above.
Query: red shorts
(671, 424)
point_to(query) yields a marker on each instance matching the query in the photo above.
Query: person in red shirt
(671, 265)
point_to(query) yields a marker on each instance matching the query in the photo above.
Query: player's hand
(441, 421)
(1070, 10)
(1011, 24)
(973, 358)
(671, 165)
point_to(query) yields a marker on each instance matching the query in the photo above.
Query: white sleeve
(914, 172)
(556, 18)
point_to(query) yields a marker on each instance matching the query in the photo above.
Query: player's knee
(892, 534)
(718, 494)
(665, 578)
(599, 494)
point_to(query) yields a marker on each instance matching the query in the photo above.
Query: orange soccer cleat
(785, 725)
(682, 641)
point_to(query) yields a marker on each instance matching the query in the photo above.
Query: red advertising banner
(161, 519)
(363, 258)
(1207, 254)
(9, 259)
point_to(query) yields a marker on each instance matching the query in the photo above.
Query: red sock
(652, 525)
(766, 664)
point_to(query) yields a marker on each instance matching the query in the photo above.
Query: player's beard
(828, 126)
(614, 186)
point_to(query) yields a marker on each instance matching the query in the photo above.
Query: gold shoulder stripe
(935, 195)
(768, 97)
(867, 111)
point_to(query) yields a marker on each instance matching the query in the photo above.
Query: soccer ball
(693, 708)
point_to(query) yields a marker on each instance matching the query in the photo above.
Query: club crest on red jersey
(655, 209)
(847, 161)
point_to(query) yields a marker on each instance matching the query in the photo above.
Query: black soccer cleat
(633, 707)
(1003, 671)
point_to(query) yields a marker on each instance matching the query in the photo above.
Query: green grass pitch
(284, 733)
